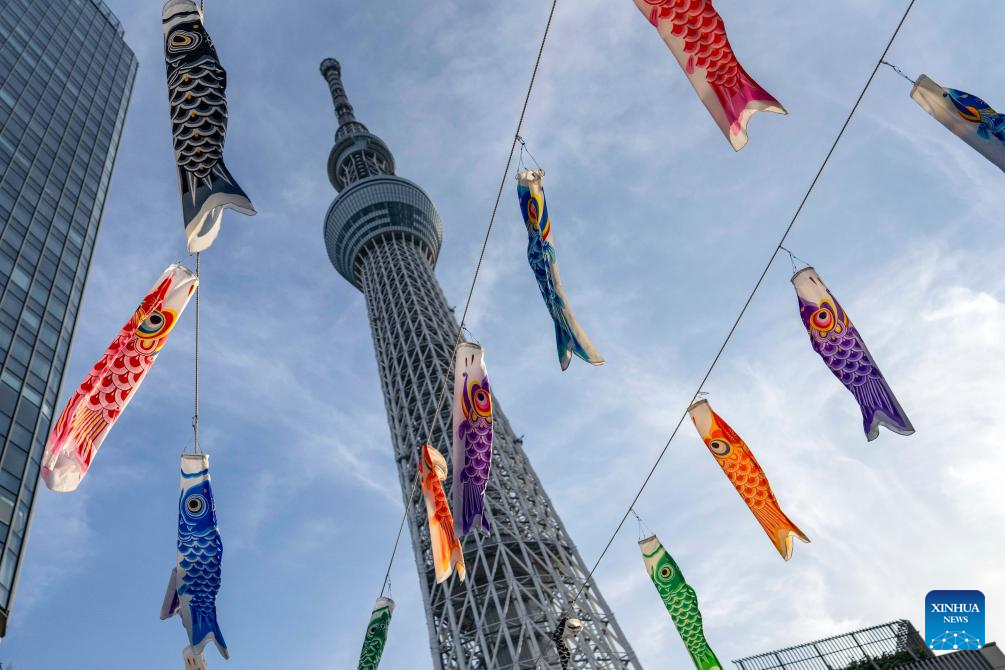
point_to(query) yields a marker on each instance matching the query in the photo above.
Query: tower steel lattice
(383, 235)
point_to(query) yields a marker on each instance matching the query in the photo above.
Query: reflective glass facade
(66, 75)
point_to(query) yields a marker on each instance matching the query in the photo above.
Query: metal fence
(876, 648)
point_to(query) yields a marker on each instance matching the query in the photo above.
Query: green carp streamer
(376, 634)
(680, 600)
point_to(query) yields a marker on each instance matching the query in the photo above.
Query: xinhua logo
(954, 620)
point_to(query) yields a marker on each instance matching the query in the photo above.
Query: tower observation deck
(383, 235)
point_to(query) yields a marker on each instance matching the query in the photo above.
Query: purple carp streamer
(842, 348)
(472, 438)
(543, 259)
(197, 85)
(966, 116)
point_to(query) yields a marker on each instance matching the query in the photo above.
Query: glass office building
(66, 75)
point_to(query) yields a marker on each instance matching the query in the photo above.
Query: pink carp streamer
(696, 35)
(112, 382)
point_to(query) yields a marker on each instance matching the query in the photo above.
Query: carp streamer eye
(373, 630)
(153, 323)
(156, 324)
(483, 401)
(719, 447)
(183, 41)
(822, 319)
(666, 572)
(532, 210)
(196, 505)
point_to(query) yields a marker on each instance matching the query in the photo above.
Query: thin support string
(471, 338)
(523, 148)
(643, 526)
(793, 258)
(195, 416)
(743, 310)
(898, 71)
(474, 279)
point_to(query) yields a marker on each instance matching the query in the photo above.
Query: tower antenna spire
(357, 153)
(331, 70)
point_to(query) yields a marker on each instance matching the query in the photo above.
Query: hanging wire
(195, 415)
(474, 279)
(397, 538)
(750, 297)
(897, 70)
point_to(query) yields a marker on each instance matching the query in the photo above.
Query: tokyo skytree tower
(383, 235)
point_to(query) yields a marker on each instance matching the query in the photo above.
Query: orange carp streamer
(447, 551)
(741, 468)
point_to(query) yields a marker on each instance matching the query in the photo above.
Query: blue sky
(661, 228)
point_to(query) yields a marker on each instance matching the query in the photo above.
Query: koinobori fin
(171, 602)
(203, 212)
